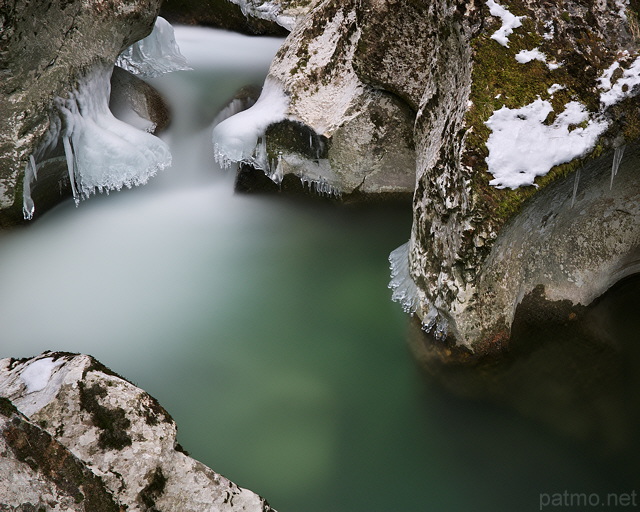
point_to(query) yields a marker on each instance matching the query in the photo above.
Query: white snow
(156, 54)
(623, 87)
(622, 7)
(36, 375)
(509, 22)
(555, 88)
(524, 56)
(236, 139)
(521, 147)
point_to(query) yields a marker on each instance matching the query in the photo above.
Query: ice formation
(30, 175)
(407, 294)
(617, 159)
(236, 139)
(623, 87)
(522, 147)
(266, 11)
(156, 54)
(576, 180)
(104, 153)
(509, 22)
(36, 376)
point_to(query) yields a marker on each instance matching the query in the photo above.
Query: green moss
(112, 422)
(153, 490)
(7, 408)
(499, 80)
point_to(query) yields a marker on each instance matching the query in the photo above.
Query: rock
(41, 61)
(120, 436)
(463, 242)
(253, 17)
(429, 98)
(38, 473)
(134, 101)
(341, 135)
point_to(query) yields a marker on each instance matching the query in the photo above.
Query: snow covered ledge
(121, 434)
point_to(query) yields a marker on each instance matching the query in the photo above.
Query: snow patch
(521, 147)
(156, 54)
(624, 87)
(524, 56)
(37, 375)
(509, 22)
(554, 89)
(622, 8)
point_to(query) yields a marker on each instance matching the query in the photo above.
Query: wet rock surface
(73, 431)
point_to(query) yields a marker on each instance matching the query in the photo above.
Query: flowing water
(265, 327)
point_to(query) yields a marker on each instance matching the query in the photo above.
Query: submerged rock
(115, 440)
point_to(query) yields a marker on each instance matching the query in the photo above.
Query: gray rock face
(463, 235)
(41, 61)
(117, 435)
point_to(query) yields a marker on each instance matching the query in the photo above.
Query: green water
(264, 326)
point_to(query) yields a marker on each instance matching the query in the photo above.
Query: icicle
(68, 152)
(278, 175)
(102, 152)
(156, 54)
(617, 159)
(575, 187)
(28, 207)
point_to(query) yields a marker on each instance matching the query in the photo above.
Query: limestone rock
(461, 221)
(341, 135)
(122, 435)
(134, 101)
(38, 473)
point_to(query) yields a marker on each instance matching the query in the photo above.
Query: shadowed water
(265, 327)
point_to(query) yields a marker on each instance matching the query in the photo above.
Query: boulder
(338, 134)
(107, 431)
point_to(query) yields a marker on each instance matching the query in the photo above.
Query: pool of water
(265, 327)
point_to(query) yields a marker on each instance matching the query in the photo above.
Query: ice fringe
(156, 54)
(617, 159)
(241, 139)
(406, 293)
(265, 10)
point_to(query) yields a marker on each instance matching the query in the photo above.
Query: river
(264, 325)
